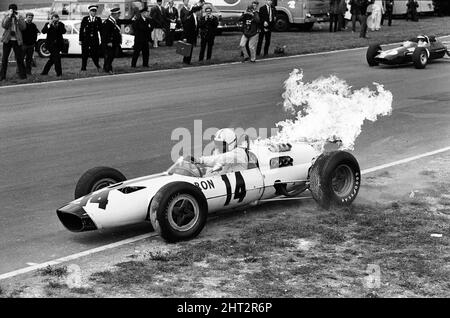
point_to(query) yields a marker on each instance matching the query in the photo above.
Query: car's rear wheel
(420, 57)
(372, 51)
(335, 179)
(97, 178)
(42, 49)
(178, 211)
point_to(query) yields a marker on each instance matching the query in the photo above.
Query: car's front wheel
(42, 49)
(420, 57)
(178, 211)
(97, 178)
(373, 51)
(335, 179)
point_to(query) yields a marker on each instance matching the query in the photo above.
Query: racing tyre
(97, 178)
(335, 179)
(373, 51)
(420, 57)
(42, 49)
(178, 211)
(281, 23)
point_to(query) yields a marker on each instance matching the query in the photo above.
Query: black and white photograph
(226, 155)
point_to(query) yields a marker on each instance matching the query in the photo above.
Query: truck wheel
(420, 57)
(178, 211)
(335, 179)
(281, 23)
(372, 51)
(42, 49)
(97, 178)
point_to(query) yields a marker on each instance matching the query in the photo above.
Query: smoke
(327, 110)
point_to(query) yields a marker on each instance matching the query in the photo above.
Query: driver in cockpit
(227, 156)
(422, 41)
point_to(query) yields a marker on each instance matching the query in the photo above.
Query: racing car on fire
(418, 50)
(178, 201)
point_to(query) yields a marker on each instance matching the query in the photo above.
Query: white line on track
(75, 256)
(144, 236)
(190, 68)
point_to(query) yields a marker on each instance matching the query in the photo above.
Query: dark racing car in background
(418, 50)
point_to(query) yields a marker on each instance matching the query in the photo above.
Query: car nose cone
(75, 218)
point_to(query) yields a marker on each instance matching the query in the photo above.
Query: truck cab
(301, 13)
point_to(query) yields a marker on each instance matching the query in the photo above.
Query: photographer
(54, 43)
(208, 28)
(12, 39)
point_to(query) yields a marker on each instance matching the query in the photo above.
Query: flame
(327, 110)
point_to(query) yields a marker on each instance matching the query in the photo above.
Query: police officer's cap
(115, 10)
(93, 7)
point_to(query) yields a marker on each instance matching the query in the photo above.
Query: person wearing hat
(111, 39)
(267, 15)
(54, 43)
(142, 27)
(14, 25)
(190, 29)
(90, 27)
(29, 40)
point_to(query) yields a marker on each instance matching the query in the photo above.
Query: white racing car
(71, 40)
(178, 201)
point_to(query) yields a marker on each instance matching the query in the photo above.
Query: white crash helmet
(225, 140)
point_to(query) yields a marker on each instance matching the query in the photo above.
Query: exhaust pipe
(75, 218)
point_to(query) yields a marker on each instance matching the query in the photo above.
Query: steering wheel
(195, 162)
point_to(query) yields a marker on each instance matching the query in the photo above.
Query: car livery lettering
(240, 191)
(205, 185)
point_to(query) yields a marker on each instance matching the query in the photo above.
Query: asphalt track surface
(51, 133)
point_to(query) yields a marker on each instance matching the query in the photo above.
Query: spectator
(111, 39)
(374, 20)
(359, 11)
(342, 9)
(208, 28)
(190, 29)
(143, 28)
(184, 11)
(334, 15)
(159, 21)
(90, 27)
(411, 11)
(14, 24)
(267, 15)
(389, 8)
(54, 43)
(250, 23)
(29, 41)
(172, 17)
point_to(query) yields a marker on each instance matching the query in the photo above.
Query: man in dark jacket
(267, 15)
(208, 28)
(90, 27)
(389, 8)
(184, 11)
(359, 11)
(250, 27)
(111, 39)
(12, 39)
(29, 41)
(54, 44)
(172, 18)
(411, 11)
(190, 29)
(334, 15)
(142, 27)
